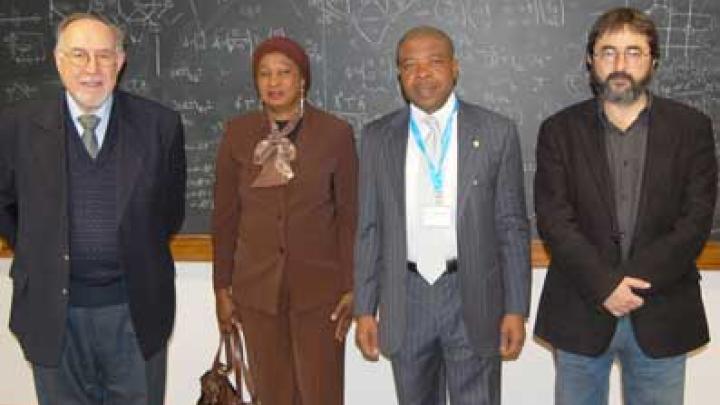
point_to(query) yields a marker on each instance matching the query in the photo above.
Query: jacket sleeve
(512, 226)
(345, 194)
(226, 212)
(368, 257)
(177, 177)
(8, 193)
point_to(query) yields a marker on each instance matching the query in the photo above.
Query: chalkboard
(523, 58)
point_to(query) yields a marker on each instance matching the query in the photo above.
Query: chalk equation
(523, 58)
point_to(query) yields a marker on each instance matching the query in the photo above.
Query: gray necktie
(89, 122)
(432, 137)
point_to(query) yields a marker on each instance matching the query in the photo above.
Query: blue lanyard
(435, 170)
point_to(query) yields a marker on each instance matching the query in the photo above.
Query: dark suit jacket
(34, 218)
(575, 217)
(492, 226)
(301, 234)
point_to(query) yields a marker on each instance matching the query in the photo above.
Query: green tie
(89, 122)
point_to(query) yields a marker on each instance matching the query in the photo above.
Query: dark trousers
(436, 358)
(101, 363)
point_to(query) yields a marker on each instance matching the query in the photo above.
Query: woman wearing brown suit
(283, 233)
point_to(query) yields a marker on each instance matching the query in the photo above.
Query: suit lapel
(394, 156)
(51, 146)
(132, 146)
(658, 143)
(472, 155)
(592, 142)
(49, 150)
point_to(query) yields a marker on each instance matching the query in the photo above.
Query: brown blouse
(296, 238)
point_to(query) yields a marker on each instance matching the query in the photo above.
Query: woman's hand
(225, 310)
(342, 315)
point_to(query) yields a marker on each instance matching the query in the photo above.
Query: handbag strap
(218, 366)
(237, 359)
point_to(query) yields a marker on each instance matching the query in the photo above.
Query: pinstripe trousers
(436, 358)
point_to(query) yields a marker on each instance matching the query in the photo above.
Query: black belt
(451, 266)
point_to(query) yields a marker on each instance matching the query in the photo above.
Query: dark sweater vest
(96, 278)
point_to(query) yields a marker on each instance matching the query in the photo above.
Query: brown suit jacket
(300, 236)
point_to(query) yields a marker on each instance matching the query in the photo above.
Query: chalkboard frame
(198, 248)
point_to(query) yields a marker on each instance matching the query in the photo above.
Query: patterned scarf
(275, 153)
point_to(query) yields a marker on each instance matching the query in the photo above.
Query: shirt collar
(103, 112)
(441, 114)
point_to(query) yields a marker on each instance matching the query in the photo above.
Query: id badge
(437, 216)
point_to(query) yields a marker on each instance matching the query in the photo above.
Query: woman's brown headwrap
(276, 151)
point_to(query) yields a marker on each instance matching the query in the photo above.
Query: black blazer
(576, 218)
(34, 218)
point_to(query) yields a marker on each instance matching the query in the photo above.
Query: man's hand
(366, 337)
(225, 310)
(512, 336)
(343, 316)
(623, 300)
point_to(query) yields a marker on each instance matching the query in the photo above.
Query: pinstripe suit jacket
(492, 226)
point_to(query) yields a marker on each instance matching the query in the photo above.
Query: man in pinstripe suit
(443, 244)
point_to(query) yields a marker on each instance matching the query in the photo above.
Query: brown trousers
(294, 357)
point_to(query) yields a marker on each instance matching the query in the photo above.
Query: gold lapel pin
(476, 143)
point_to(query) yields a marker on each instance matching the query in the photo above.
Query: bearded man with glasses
(625, 190)
(92, 186)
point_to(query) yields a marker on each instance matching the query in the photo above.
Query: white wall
(528, 381)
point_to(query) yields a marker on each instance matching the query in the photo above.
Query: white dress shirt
(416, 170)
(103, 112)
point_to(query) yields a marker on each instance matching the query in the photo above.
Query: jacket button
(64, 291)
(66, 257)
(475, 182)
